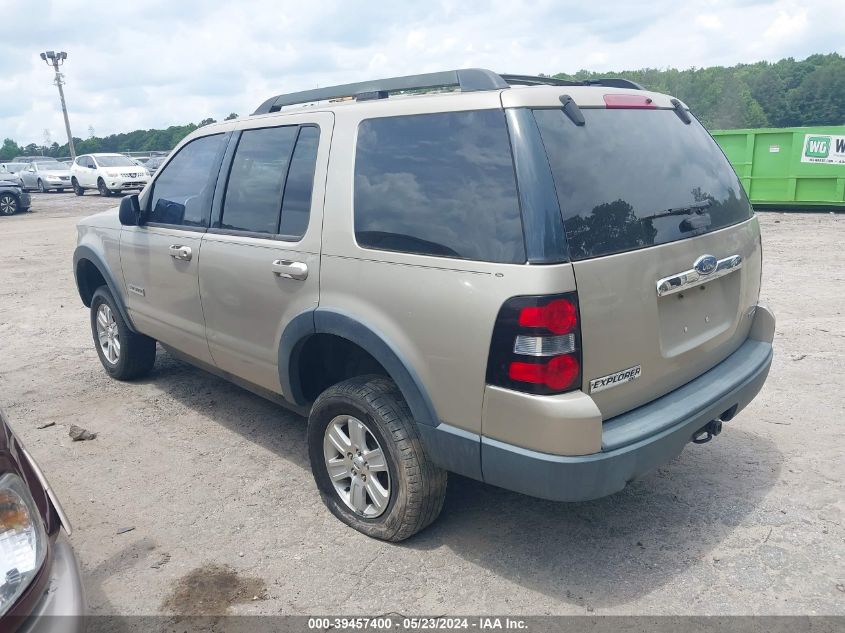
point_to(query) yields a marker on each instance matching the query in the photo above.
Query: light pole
(55, 60)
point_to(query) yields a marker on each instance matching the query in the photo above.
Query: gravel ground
(216, 484)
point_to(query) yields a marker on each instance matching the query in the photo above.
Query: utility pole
(55, 60)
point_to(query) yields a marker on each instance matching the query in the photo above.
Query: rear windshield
(629, 179)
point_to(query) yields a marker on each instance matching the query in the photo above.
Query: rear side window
(271, 180)
(182, 191)
(438, 184)
(296, 207)
(629, 179)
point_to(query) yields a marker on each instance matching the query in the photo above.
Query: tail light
(536, 345)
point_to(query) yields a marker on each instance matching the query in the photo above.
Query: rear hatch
(645, 196)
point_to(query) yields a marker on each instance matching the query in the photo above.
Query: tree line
(787, 93)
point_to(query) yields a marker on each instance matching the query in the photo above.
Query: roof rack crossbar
(531, 80)
(610, 82)
(613, 82)
(467, 80)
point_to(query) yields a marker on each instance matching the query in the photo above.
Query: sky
(155, 63)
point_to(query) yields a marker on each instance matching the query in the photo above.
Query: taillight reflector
(559, 316)
(558, 373)
(628, 102)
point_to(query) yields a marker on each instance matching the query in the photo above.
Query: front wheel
(124, 354)
(79, 191)
(8, 204)
(368, 460)
(41, 187)
(101, 187)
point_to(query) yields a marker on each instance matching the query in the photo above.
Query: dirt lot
(215, 481)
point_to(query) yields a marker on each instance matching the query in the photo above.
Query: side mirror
(130, 211)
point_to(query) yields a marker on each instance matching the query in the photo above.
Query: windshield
(629, 179)
(115, 161)
(51, 166)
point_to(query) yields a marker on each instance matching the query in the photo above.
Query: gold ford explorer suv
(544, 285)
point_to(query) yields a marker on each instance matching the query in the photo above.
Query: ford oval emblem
(705, 264)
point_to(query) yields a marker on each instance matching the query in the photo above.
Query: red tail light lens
(536, 345)
(557, 374)
(628, 102)
(559, 316)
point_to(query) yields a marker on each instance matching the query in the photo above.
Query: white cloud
(787, 25)
(167, 62)
(709, 21)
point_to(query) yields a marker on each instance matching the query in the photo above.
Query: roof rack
(466, 80)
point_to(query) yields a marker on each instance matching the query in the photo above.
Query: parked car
(551, 287)
(153, 163)
(29, 159)
(9, 172)
(107, 173)
(45, 176)
(13, 198)
(39, 575)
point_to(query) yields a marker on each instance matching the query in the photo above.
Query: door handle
(177, 251)
(290, 270)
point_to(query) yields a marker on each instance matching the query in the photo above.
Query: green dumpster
(798, 167)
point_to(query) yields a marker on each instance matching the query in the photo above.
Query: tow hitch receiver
(707, 432)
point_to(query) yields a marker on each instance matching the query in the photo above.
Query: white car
(107, 173)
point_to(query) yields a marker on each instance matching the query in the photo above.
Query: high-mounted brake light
(536, 345)
(628, 102)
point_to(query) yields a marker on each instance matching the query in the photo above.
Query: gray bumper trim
(64, 597)
(670, 420)
(699, 396)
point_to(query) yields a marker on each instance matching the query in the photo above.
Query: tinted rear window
(628, 179)
(438, 184)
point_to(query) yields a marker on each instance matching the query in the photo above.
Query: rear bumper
(62, 607)
(636, 442)
(632, 444)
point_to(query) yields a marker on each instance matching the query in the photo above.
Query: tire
(101, 187)
(415, 487)
(9, 204)
(41, 186)
(79, 191)
(135, 353)
(60, 190)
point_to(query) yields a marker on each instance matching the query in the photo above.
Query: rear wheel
(79, 191)
(8, 204)
(124, 354)
(101, 187)
(368, 461)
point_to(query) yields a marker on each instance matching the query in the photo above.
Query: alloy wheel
(108, 334)
(357, 466)
(8, 204)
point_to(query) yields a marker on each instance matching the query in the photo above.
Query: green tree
(231, 116)
(9, 149)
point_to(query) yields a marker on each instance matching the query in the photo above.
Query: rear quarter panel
(437, 313)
